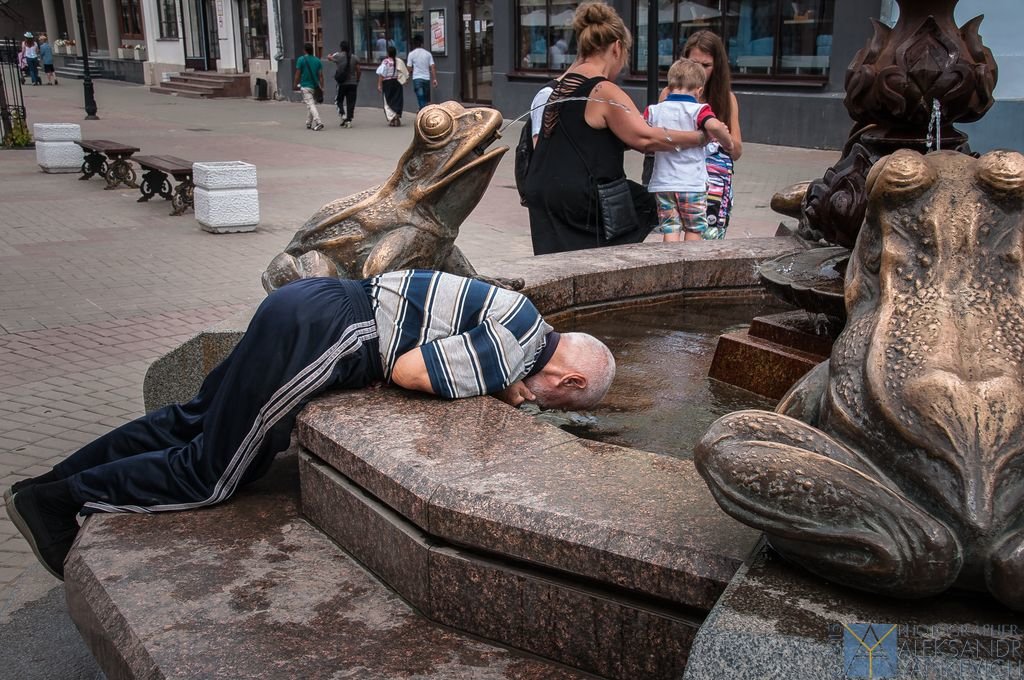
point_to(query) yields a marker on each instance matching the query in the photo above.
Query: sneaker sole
(22, 527)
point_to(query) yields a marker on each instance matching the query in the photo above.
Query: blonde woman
(582, 143)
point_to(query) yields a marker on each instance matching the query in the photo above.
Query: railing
(12, 101)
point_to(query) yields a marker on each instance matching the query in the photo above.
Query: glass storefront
(379, 24)
(777, 40)
(546, 39)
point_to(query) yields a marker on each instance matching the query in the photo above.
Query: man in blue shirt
(422, 330)
(309, 77)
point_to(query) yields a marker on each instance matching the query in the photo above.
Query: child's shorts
(47, 68)
(682, 211)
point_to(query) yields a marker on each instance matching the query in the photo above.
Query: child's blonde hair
(686, 74)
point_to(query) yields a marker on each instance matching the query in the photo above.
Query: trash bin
(261, 89)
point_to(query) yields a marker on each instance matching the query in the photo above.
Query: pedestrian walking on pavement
(389, 84)
(309, 78)
(346, 75)
(424, 72)
(46, 57)
(29, 57)
(421, 330)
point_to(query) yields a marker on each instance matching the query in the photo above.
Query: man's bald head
(577, 376)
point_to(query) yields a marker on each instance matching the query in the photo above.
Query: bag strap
(593, 181)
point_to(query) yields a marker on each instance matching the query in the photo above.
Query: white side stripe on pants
(306, 381)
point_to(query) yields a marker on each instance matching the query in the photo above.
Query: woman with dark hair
(346, 76)
(389, 85)
(581, 146)
(706, 48)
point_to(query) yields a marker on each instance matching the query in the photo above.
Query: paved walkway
(94, 286)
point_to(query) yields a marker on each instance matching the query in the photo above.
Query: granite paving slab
(248, 589)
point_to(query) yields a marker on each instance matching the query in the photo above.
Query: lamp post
(90, 98)
(652, 51)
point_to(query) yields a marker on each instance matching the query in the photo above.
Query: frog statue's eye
(901, 176)
(1001, 173)
(436, 124)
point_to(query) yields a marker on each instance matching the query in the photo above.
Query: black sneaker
(48, 533)
(15, 488)
(44, 478)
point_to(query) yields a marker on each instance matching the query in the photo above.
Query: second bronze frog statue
(410, 221)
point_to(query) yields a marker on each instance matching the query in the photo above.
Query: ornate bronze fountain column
(920, 72)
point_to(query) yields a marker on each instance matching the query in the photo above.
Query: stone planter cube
(140, 55)
(125, 53)
(56, 150)
(225, 197)
(58, 49)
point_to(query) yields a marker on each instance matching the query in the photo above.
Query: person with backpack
(346, 75)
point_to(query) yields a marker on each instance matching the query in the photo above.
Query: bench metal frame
(155, 182)
(110, 165)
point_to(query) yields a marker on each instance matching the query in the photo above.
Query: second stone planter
(56, 150)
(226, 200)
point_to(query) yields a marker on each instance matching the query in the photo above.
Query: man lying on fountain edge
(422, 330)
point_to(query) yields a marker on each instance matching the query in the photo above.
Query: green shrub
(20, 135)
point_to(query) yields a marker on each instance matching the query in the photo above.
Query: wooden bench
(109, 160)
(154, 180)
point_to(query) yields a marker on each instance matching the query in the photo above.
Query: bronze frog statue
(898, 465)
(411, 220)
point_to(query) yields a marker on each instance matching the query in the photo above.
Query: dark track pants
(306, 337)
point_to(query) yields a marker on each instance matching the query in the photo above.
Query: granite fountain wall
(589, 556)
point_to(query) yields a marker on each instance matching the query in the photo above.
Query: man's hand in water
(515, 394)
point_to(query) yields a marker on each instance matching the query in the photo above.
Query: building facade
(788, 59)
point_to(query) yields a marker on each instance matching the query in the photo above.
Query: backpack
(524, 153)
(341, 74)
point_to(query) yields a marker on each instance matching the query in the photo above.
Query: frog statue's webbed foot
(824, 506)
(1004, 570)
(286, 268)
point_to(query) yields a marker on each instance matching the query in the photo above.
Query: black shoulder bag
(616, 210)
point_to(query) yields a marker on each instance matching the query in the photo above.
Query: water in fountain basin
(662, 399)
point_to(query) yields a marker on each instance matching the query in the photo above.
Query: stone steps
(75, 71)
(205, 85)
(248, 589)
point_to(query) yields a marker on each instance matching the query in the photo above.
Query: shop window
(778, 40)
(255, 29)
(168, 16)
(546, 39)
(379, 24)
(131, 20)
